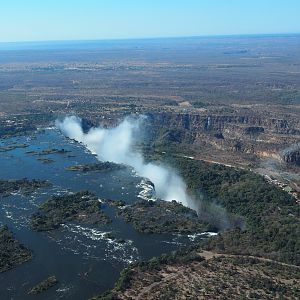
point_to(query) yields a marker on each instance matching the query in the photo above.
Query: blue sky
(36, 20)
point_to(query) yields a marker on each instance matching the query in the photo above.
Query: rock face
(255, 133)
(292, 155)
(205, 122)
(12, 253)
(252, 132)
(86, 125)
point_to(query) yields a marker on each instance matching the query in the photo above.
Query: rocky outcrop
(291, 155)
(244, 132)
(252, 124)
(253, 134)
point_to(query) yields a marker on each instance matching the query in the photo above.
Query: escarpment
(254, 134)
(252, 124)
(249, 132)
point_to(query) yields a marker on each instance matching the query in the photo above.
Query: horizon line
(150, 38)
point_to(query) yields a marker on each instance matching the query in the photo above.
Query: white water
(117, 145)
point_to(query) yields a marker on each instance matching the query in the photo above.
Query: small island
(163, 217)
(82, 207)
(12, 147)
(48, 152)
(111, 236)
(25, 186)
(44, 285)
(99, 167)
(12, 253)
(115, 203)
(45, 160)
(53, 151)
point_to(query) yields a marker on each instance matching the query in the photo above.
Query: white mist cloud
(116, 145)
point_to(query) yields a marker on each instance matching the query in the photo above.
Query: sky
(44, 20)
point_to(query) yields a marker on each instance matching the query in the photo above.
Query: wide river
(84, 261)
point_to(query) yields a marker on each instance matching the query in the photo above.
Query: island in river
(25, 186)
(99, 166)
(82, 206)
(163, 217)
(12, 253)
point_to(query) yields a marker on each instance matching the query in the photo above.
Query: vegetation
(271, 231)
(154, 264)
(100, 166)
(21, 123)
(45, 160)
(24, 185)
(117, 203)
(81, 207)
(202, 98)
(272, 216)
(53, 151)
(186, 275)
(163, 217)
(44, 285)
(12, 253)
(15, 129)
(49, 151)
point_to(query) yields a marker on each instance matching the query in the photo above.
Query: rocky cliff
(255, 134)
(291, 155)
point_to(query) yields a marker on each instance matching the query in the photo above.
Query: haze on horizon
(52, 20)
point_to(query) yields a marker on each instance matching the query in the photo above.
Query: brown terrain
(232, 101)
(216, 277)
